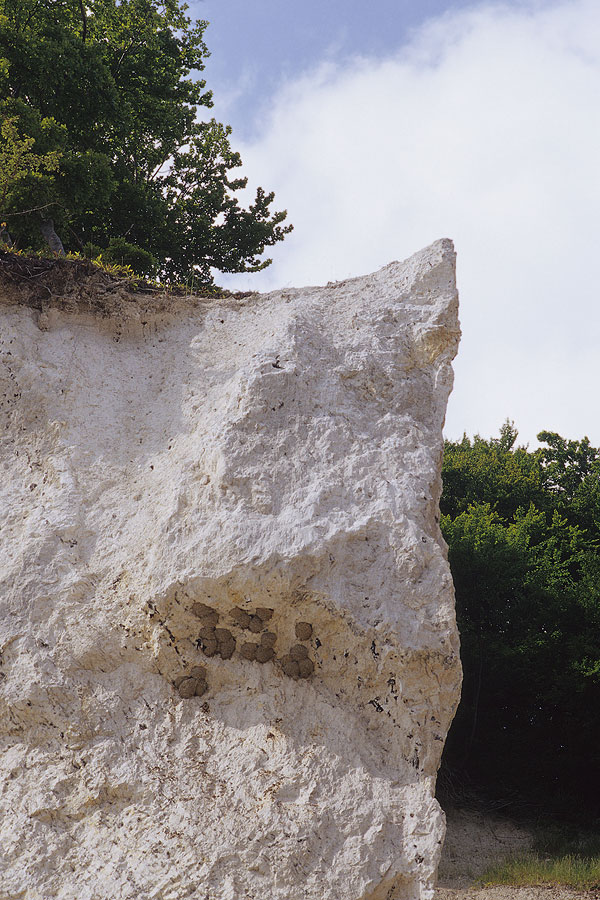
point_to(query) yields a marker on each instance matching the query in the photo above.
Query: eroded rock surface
(229, 653)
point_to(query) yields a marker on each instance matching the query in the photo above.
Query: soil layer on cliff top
(80, 285)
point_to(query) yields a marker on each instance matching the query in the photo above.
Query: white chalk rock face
(229, 651)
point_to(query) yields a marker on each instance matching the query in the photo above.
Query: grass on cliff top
(22, 266)
(560, 857)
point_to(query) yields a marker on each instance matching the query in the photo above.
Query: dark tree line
(523, 529)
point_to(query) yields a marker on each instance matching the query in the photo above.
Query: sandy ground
(473, 842)
(506, 892)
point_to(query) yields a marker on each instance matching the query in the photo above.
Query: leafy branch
(18, 160)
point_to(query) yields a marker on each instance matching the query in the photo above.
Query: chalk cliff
(229, 651)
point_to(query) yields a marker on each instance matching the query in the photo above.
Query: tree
(136, 162)
(523, 534)
(18, 161)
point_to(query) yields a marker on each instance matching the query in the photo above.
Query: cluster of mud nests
(220, 641)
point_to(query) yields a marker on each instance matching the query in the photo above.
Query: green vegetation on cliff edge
(104, 100)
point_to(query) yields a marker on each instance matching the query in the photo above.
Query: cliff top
(79, 285)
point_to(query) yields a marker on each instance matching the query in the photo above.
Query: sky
(386, 125)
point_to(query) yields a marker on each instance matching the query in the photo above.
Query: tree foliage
(523, 530)
(18, 161)
(120, 80)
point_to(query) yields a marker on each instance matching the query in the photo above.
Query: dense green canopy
(113, 86)
(523, 529)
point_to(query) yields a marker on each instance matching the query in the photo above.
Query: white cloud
(485, 129)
